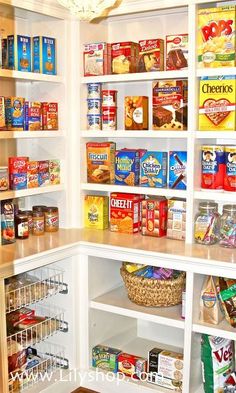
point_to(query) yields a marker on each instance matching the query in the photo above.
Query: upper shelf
(136, 134)
(30, 191)
(216, 71)
(30, 76)
(216, 135)
(30, 134)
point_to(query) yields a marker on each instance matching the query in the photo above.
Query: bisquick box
(124, 57)
(19, 52)
(44, 55)
(97, 59)
(176, 222)
(105, 358)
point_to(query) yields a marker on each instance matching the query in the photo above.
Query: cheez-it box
(124, 213)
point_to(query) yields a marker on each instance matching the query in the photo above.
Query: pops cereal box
(216, 37)
(151, 55)
(96, 212)
(19, 52)
(44, 55)
(124, 213)
(127, 167)
(101, 162)
(153, 169)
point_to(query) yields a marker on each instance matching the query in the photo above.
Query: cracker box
(124, 57)
(217, 103)
(105, 358)
(14, 112)
(153, 356)
(131, 366)
(2, 114)
(43, 173)
(19, 52)
(176, 222)
(176, 52)
(49, 116)
(54, 172)
(178, 170)
(44, 55)
(32, 116)
(136, 113)
(96, 212)
(127, 167)
(32, 174)
(216, 37)
(97, 59)
(101, 162)
(151, 55)
(153, 169)
(18, 172)
(168, 105)
(124, 213)
(154, 217)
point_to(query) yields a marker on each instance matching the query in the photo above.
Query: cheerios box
(216, 37)
(19, 52)
(44, 55)
(153, 169)
(127, 167)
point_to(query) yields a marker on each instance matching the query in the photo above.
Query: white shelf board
(10, 194)
(30, 76)
(134, 190)
(149, 134)
(215, 135)
(136, 77)
(211, 195)
(216, 71)
(30, 134)
(222, 330)
(117, 302)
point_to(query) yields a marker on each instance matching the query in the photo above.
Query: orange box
(101, 162)
(136, 113)
(32, 174)
(124, 213)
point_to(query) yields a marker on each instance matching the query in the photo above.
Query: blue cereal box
(44, 55)
(127, 167)
(14, 112)
(153, 169)
(19, 52)
(178, 170)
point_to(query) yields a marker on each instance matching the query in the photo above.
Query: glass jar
(29, 214)
(39, 208)
(21, 226)
(207, 224)
(228, 227)
(38, 223)
(4, 182)
(51, 219)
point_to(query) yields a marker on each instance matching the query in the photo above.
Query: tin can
(109, 118)
(94, 90)
(94, 122)
(213, 167)
(94, 106)
(230, 175)
(109, 98)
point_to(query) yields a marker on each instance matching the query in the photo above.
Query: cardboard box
(7, 222)
(176, 222)
(178, 170)
(127, 167)
(49, 115)
(55, 172)
(131, 365)
(32, 116)
(43, 173)
(14, 112)
(101, 162)
(151, 55)
(44, 55)
(136, 113)
(2, 114)
(4, 53)
(153, 169)
(97, 59)
(124, 213)
(124, 57)
(176, 52)
(19, 52)
(32, 174)
(105, 358)
(154, 217)
(96, 212)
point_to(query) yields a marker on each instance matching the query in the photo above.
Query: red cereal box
(124, 57)
(32, 174)
(50, 115)
(154, 217)
(124, 213)
(132, 366)
(18, 164)
(151, 55)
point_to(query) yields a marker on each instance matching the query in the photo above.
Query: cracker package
(127, 167)
(154, 216)
(124, 57)
(177, 52)
(176, 223)
(96, 211)
(131, 365)
(97, 59)
(226, 289)
(14, 107)
(19, 52)
(216, 37)
(136, 113)
(217, 103)
(2, 113)
(169, 109)
(209, 304)
(124, 213)
(32, 116)
(44, 55)
(101, 162)
(153, 169)
(151, 55)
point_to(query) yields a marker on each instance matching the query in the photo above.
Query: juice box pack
(105, 358)
(19, 52)
(217, 103)
(216, 37)
(44, 55)
(96, 212)
(153, 169)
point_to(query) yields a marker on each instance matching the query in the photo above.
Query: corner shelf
(10, 194)
(30, 76)
(136, 134)
(211, 195)
(30, 134)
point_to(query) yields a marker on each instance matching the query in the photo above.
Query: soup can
(230, 175)
(109, 118)
(213, 167)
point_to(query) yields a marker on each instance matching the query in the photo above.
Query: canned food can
(94, 90)
(213, 167)
(230, 175)
(109, 118)
(109, 98)
(94, 122)
(94, 106)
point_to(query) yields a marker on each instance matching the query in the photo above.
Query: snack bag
(226, 289)
(209, 304)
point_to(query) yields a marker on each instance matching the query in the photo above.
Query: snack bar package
(209, 304)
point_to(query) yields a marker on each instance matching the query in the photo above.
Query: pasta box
(44, 55)
(124, 213)
(127, 167)
(19, 52)
(105, 358)
(178, 170)
(153, 169)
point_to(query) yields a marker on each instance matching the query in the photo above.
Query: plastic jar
(29, 215)
(94, 106)
(207, 223)
(51, 219)
(21, 226)
(94, 90)
(38, 223)
(109, 97)
(39, 208)
(109, 118)
(228, 227)
(4, 178)
(94, 122)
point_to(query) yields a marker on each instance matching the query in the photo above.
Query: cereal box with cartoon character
(14, 107)
(101, 162)
(153, 169)
(127, 167)
(124, 213)
(96, 211)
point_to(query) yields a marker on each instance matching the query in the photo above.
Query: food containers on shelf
(207, 224)
(228, 227)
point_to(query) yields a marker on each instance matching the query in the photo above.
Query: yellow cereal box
(96, 210)
(101, 162)
(2, 113)
(217, 103)
(216, 37)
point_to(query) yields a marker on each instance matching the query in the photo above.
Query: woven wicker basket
(153, 293)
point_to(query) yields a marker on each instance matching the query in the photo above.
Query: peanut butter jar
(51, 219)
(38, 223)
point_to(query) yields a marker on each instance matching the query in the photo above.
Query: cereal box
(217, 103)
(105, 358)
(176, 52)
(97, 59)
(32, 174)
(176, 223)
(101, 162)
(151, 55)
(44, 55)
(43, 173)
(127, 167)
(124, 213)
(216, 37)
(96, 212)
(2, 113)
(14, 111)
(124, 57)
(153, 169)
(131, 366)
(154, 217)
(169, 111)
(19, 52)
(32, 116)
(50, 115)
(136, 113)
(178, 170)
(54, 171)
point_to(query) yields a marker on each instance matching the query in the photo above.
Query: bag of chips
(209, 304)
(226, 289)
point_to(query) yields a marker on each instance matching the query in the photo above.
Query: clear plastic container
(207, 224)
(228, 227)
